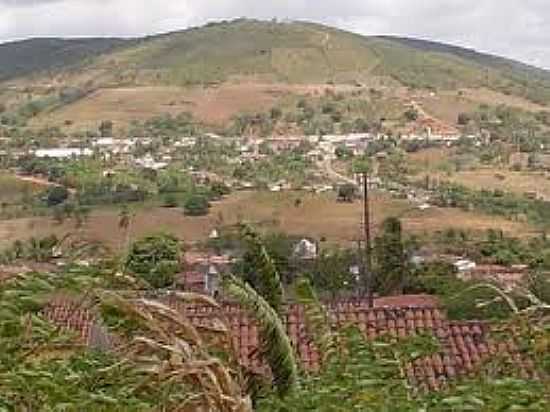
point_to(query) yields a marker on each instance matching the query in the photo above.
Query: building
(306, 249)
(462, 350)
(148, 162)
(62, 153)
(202, 272)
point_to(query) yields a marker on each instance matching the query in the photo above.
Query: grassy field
(502, 179)
(318, 216)
(12, 189)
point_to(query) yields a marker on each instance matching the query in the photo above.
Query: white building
(306, 249)
(62, 153)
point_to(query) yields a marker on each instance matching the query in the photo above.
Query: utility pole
(367, 261)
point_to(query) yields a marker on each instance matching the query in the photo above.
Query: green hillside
(35, 55)
(296, 52)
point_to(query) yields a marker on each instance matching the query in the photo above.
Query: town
(270, 215)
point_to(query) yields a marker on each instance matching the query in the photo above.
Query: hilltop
(152, 73)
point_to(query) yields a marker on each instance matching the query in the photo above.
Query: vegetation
(161, 366)
(155, 259)
(168, 362)
(196, 205)
(494, 202)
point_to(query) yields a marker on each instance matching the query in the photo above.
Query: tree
(56, 195)
(106, 128)
(276, 113)
(411, 115)
(463, 119)
(264, 302)
(196, 205)
(155, 259)
(219, 189)
(170, 200)
(347, 192)
(331, 271)
(391, 260)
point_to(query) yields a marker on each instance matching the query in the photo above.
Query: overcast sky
(515, 28)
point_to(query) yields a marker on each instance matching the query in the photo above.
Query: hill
(287, 52)
(37, 55)
(190, 70)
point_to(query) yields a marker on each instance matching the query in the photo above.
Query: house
(463, 347)
(306, 249)
(185, 142)
(202, 272)
(148, 162)
(464, 265)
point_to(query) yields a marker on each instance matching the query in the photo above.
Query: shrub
(56, 195)
(155, 259)
(196, 205)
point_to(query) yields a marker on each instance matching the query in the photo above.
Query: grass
(502, 179)
(12, 189)
(318, 216)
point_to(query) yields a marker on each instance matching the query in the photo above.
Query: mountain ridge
(289, 52)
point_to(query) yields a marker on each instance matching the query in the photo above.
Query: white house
(464, 265)
(306, 249)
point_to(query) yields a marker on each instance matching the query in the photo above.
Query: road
(326, 165)
(39, 181)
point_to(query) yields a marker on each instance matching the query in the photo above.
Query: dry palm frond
(172, 352)
(275, 343)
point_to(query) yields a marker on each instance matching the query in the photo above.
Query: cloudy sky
(513, 28)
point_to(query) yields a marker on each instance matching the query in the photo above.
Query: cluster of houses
(202, 270)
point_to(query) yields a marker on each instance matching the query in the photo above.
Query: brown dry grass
(212, 105)
(446, 105)
(318, 216)
(517, 182)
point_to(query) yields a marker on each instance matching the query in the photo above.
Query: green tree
(219, 189)
(411, 115)
(56, 195)
(347, 192)
(196, 205)
(155, 259)
(391, 261)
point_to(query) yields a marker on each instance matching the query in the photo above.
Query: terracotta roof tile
(464, 345)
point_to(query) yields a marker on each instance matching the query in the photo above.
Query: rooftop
(464, 346)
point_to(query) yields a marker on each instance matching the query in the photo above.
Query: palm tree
(265, 304)
(275, 345)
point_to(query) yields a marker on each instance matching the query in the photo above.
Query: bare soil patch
(214, 105)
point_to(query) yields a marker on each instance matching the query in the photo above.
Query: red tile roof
(76, 316)
(465, 346)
